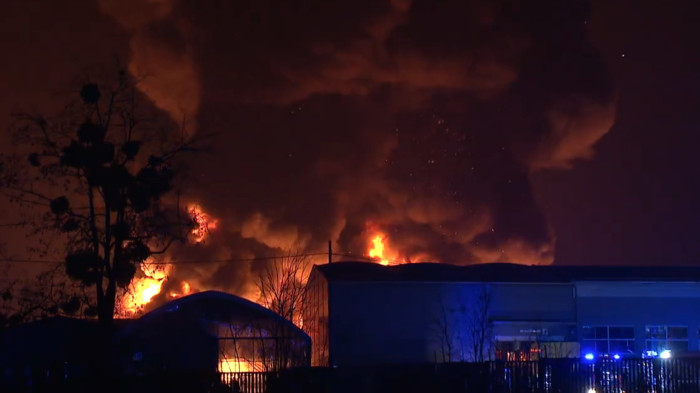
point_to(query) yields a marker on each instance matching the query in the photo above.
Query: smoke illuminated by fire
(203, 223)
(184, 290)
(456, 127)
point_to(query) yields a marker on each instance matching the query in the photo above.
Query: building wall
(533, 302)
(419, 322)
(398, 322)
(315, 317)
(640, 305)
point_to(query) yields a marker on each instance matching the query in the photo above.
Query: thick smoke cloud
(160, 54)
(422, 119)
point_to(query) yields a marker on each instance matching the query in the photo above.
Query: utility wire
(206, 261)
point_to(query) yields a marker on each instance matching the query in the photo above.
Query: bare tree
(463, 329)
(282, 286)
(443, 324)
(554, 349)
(316, 318)
(479, 326)
(99, 173)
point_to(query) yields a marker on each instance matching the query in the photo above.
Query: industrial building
(212, 331)
(369, 314)
(196, 335)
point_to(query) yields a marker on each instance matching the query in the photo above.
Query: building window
(660, 338)
(607, 339)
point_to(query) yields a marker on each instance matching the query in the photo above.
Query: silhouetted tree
(48, 294)
(282, 286)
(462, 329)
(479, 326)
(100, 172)
(444, 326)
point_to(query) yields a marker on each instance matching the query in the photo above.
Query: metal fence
(676, 375)
(544, 376)
(246, 382)
(603, 376)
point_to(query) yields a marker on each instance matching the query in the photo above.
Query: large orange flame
(153, 275)
(144, 288)
(379, 251)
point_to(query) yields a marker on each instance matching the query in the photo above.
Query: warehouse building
(212, 331)
(369, 314)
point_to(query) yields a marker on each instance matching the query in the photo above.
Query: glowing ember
(203, 223)
(377, 250)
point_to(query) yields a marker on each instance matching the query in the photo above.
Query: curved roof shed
(213, 331)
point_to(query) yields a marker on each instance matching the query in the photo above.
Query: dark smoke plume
(422, 119)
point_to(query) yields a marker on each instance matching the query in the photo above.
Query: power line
(205, 261)
(39, 261)
(228, 260)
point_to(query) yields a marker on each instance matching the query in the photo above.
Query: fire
(378, 249)
(203, 223)
(147, 285)
(383, 252)
(184, 290)
(227, 365)
(143, 289)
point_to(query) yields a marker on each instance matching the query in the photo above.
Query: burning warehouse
(368, 314)
(199, 334)
(210, 331)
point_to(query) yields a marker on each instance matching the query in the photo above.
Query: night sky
(534, 132)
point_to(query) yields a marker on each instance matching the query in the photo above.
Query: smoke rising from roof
(423, 119)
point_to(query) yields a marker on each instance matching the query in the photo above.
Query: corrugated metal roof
(503, 272)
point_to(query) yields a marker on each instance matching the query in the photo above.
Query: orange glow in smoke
(184, 291)
(203, 223)
(377, 250)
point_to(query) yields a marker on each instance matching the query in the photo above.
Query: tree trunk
(106, 307)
